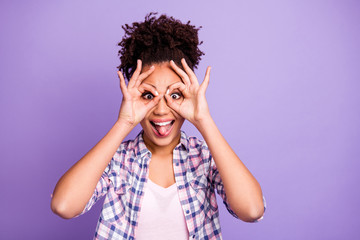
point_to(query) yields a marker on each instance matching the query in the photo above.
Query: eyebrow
(152, 85)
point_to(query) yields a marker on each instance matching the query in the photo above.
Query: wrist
(203, 123)
(123, 124)
(207, 129)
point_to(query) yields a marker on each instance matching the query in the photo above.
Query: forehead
(162, 76)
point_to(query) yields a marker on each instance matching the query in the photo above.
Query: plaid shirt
(123, 183)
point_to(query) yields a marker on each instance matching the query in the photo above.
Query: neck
(161, 150)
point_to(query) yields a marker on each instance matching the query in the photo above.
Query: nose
(161, 108)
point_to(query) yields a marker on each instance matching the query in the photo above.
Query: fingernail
(167, 91)
(172, 61)
(156, 93)
(152, 67)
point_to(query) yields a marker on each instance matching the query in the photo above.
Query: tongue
(162, 130)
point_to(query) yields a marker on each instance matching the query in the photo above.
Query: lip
(161, 121)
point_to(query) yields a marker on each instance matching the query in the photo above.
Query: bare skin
(176, 95)
(161, 171)
(243, 191)
(77, 185)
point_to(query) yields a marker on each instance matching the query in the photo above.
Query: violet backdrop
(284, 91)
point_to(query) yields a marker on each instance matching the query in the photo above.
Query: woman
(161, 185)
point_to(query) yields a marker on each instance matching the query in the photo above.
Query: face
(161, 124)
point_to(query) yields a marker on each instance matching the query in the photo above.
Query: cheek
(180, 120)
(176, 115)
(144, 122)
(147, 116)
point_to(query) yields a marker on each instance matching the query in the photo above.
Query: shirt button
(177, 164)
(193, 236)
(180, 187)
(187, 211)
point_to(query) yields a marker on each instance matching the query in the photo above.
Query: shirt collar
(184, 141)
(140, 147)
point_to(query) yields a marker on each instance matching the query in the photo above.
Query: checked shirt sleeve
(102, 186)
(219, 186)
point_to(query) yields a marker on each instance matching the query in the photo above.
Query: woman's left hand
(193, 106)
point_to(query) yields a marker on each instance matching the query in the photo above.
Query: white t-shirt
(161, 215)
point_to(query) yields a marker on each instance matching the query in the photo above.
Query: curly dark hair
(158, 40)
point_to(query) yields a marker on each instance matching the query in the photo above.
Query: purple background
(284, 92)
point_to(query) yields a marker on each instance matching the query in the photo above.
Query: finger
(153, 102)
(136, 74)
(172, 103)
(178, 85)
(144, 75)
(122, 82)
(189, 72)
(180, 72)
(147, 87)
(206, 81)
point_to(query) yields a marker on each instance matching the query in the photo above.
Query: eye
(147, 95)
(175, 96)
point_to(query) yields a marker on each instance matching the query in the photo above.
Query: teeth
(162, 123)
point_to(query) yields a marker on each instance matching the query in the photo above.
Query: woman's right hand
(134, 107)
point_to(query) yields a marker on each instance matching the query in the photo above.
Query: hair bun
(158, 40)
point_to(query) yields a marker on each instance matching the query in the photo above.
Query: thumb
(172, 104)
(153, 103)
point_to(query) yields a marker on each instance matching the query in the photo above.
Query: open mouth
(162, 129)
